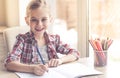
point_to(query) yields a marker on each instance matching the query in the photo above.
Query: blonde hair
(34, 4)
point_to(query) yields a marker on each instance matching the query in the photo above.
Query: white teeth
(38, 29)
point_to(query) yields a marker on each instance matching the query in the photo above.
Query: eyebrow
(33, 17)
(38, 18)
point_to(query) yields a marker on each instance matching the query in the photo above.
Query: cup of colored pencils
(100, 47)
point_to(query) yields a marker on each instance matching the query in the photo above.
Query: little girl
(36, 51)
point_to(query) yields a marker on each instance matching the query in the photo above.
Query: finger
(44, 68)
(47, 65)
(53, 63)
(56, 62)
(38, 72)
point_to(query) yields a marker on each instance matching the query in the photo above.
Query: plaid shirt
(25, 50)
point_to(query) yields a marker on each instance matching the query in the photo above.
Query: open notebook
(70, 70)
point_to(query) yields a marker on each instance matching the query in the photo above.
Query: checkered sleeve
(16, 51)
(65, 48)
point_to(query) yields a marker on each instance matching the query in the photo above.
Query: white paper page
(73, 70)
(70, 70)
(49, 74)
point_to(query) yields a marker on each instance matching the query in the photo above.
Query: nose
(39, 22)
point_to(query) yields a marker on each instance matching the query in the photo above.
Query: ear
(27, 20)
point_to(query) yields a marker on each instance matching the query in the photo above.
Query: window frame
(83, 28)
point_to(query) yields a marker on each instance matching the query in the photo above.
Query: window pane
(105, 22)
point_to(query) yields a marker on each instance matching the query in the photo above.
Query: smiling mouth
(39, 29)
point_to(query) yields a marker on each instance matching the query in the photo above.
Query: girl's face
(38, 20)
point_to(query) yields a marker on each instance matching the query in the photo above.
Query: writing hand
(40, 69)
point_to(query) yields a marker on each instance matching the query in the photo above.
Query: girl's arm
(65, 59)
(19, 67)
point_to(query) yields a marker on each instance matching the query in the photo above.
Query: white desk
(109, 71)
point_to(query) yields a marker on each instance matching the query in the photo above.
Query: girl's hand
(54, 62)
(39, 69)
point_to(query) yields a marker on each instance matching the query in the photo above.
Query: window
(105, 22)
(22, 11)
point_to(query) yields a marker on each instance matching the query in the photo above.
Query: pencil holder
(100, 58)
